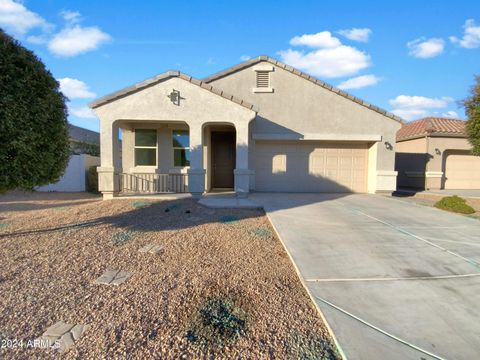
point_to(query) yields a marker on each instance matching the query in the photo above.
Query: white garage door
(310, 166)
(462, 171)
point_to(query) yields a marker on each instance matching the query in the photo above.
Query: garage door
(310, 166)
(462, 171)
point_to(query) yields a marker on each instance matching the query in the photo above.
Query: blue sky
(415, 58)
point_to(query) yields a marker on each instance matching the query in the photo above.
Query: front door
(223, 159)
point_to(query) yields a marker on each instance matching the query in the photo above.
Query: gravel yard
(431, 199)
(207, 283)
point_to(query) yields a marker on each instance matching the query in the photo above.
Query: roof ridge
(164, 76)
(304, 75)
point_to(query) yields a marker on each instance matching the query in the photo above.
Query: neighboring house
(85, 148)
(434, 153)
(258, 126)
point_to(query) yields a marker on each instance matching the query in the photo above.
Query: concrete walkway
(395, 280)
(473, 194)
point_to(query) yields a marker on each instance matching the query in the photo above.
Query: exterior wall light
(437, 151)
(388, 146)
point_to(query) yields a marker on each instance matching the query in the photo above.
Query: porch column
(108, 183)
(196, 172)
(242, 172)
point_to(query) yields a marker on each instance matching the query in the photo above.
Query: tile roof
(306, 76)
(83, 135)
(431, 126)
(167, 75)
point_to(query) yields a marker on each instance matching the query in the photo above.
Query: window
(181, 148)
(263, 79)
(145, 147)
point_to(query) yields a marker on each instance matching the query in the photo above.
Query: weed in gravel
(455, 204)
(61, 208)
(229, 219)
(261, 232)
(310, 348)
(140, 204)
(218, 322)
(122, 237)
(172, 207)
(3, 225)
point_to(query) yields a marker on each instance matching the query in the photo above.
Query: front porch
(162, 157)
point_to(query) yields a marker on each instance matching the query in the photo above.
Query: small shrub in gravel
(140, 204)
(3, 225)
(311, 348)
(455, 204)
(229, 219)
(218, 322)
(122, 237)
(261, 232)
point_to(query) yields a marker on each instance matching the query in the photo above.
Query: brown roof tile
(431, 126)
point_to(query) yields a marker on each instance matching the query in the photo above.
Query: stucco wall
(443, 144)
(426, 156)
(152, 106)
(299, 108)
(74, 179)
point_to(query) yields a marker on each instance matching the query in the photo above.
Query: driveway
(395, 280)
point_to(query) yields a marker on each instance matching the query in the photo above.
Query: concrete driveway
(395, 280)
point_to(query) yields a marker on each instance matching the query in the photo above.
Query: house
(84, 148)
(434, 153)
(258, 126)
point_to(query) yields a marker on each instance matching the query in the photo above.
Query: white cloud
(406, 101)
(450, 114)
(329, 59)
(356, 34)
(245, 57)
(37, 39)
(471, 36)
(77, 40)
(15, 17)
(426, 48)
(329, 63)
(414, 107)
(359, 82)
(322, 39)
(75, 89)
(71, 17)
(83, 112)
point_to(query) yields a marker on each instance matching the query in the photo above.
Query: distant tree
(34, 142)
(472, 109)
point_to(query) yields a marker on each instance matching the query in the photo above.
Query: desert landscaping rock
(113, 277)
(122, 237)
(62, 334)
(151, 249)
(149, 315)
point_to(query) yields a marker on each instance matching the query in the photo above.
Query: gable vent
(263, 79)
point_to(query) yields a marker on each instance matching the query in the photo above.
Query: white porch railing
(153, 183)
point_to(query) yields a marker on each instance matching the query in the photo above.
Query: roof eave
(305, 76)
(167, 75)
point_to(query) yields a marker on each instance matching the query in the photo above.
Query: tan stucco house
(434, 153)
(258, 126)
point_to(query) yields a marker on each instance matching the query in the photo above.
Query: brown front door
(223, 159)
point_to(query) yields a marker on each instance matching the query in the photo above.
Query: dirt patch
(222, 286)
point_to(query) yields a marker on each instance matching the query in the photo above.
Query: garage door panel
(309, 166)
(462, 171)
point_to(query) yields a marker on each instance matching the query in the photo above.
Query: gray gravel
(48, 264)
